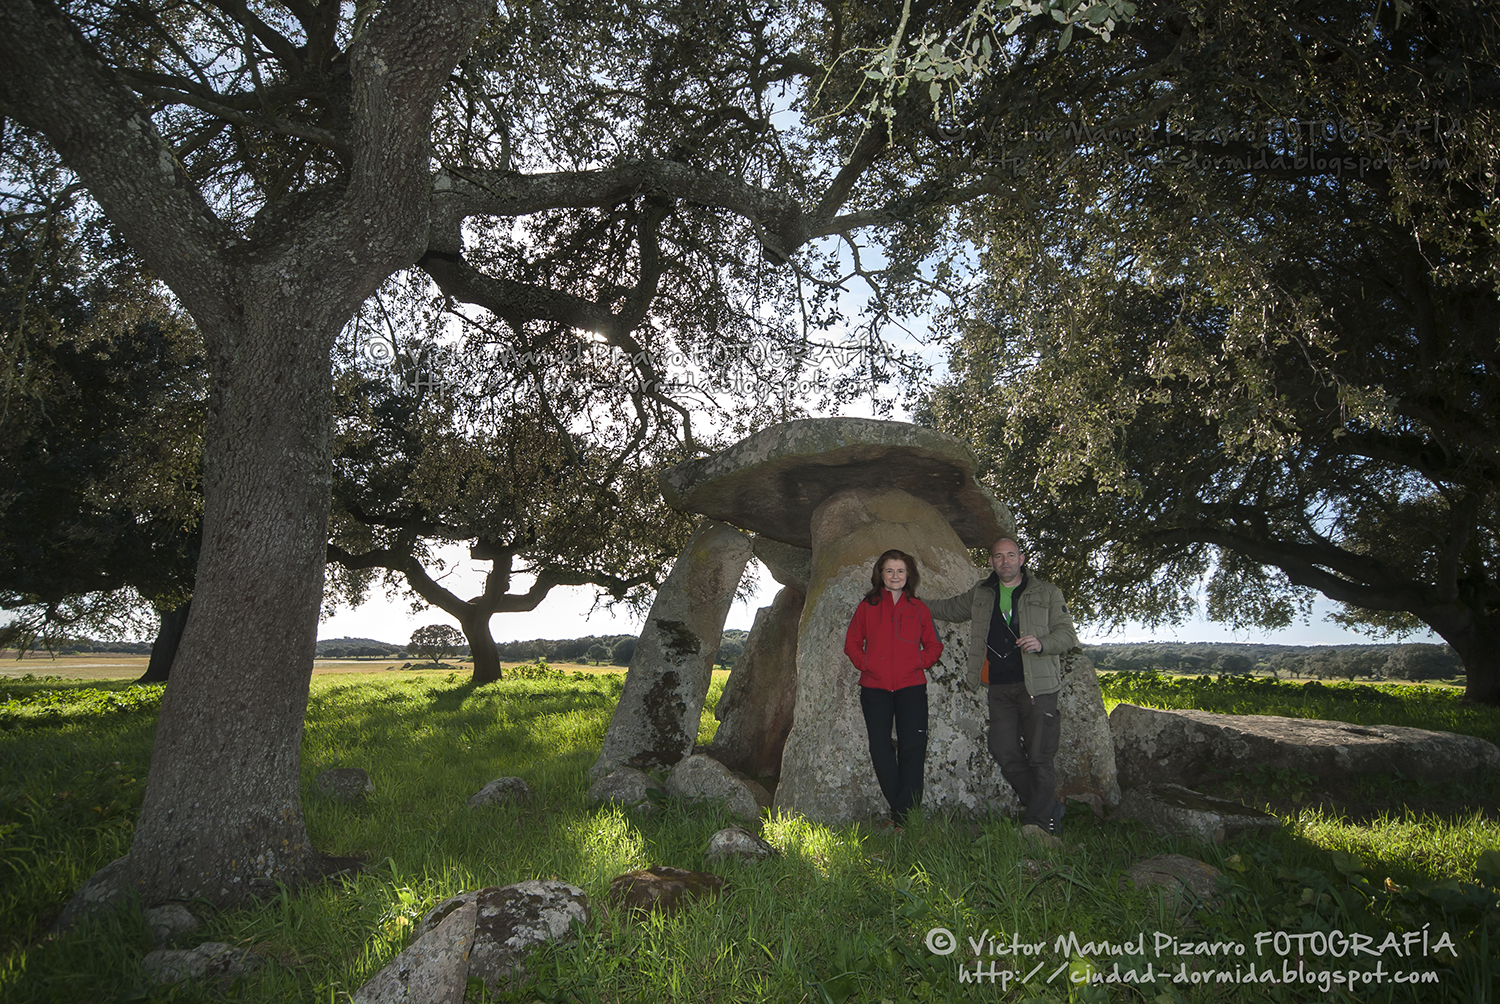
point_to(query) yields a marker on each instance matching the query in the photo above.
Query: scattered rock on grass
(1190, 882)
(1172, 810)
(624, 786)
(501, 790)
(433, 969)
(510, 922)
(661, 888)
(106, 886)
(169, 922)
(703, 777)
(344, 784)
(737, 842)
(210, 959)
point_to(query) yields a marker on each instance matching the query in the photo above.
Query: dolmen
(817, 501)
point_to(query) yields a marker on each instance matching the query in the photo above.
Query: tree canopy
(101, 419)
(533, 491)
(1255, 341)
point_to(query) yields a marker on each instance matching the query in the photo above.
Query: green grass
(841, 915)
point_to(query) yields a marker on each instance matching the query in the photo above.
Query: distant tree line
(1347, 662)
(615, 650)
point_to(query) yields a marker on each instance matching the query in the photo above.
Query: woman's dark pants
(899, 770)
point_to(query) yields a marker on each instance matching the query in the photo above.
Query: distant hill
(362, 648)
(1392, 661)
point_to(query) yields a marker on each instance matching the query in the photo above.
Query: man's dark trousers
(898, 770)
(1024, 733)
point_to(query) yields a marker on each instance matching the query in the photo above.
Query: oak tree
(1254, 342)
(660, 180)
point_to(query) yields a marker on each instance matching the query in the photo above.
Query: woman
(891, 641)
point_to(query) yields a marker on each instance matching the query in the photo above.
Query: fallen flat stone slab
(1172, 810)
(1189, 747)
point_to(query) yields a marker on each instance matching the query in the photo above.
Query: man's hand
(1028, 643)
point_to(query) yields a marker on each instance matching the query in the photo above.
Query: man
(1021, 628)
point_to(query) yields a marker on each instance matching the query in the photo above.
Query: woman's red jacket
(891, 643)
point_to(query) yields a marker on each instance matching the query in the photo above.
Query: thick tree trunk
(482, 647)
(222, 816)
(168, 640)
(1476, 639)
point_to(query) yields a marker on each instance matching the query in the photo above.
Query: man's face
(1006, 559)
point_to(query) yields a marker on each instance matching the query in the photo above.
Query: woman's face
(893, 574)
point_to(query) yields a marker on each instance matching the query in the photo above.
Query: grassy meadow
(844, 914)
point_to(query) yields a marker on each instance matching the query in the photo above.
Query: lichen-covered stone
(737, 842)
(434, 968)
(1188, 882)
(625, 786)
(510, 921)
(1172, 810)
(500, 791)
(702, 778)
(1085, 761)
(1185, 747)
(209, 960)
(169, 922)
(656, 721)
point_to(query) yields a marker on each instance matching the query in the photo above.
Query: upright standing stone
(1086, 753)
(656, 722)
(755, 711)
(826, 772)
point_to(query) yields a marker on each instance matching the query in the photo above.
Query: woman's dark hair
(876, 584)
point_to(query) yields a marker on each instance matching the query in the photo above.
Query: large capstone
(755, 710)
(656, 722)
(773, 481)
(826, 772)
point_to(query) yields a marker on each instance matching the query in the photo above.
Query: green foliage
(101, 421)
(37, 707)
(1203, 372)
(538, 670)
(435, 641)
